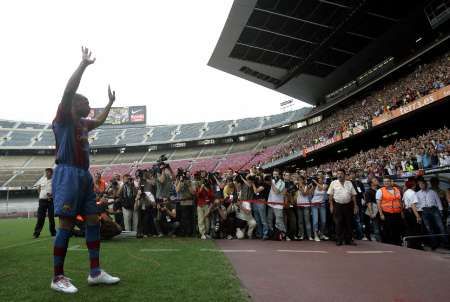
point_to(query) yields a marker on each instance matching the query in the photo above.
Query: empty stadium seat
(20, 138)
(189, 131)
(161, 134)
(7, 124)
(217, 128)
(247, 124)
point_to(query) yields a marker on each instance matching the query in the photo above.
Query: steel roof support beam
(280, 34)
(369, 13)
(354, 16)
(292, 18)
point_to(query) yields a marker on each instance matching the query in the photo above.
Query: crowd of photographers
(280, 206)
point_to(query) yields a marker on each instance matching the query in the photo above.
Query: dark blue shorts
(73, 191)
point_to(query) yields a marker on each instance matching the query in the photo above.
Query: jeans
(304, 219)
(259, 212)
(357, 224)
(433, 224)
(279, 219)
(321, 211)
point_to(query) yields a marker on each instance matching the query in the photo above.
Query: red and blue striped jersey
(72, 144)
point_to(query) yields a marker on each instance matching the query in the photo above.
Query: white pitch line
(76, 248)
(24, 243)
(159, 250)
(369, 252)
(302, 251)
(228, 251)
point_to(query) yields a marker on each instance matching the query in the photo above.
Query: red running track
(321, 271)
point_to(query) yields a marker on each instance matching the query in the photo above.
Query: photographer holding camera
(319, 207)
(127, 196)
(217, 215)
(291, 182)
(304, 208)
(145, 201)
(185, 190)
(244, 218)
(276, 204)
(167, 218)
(204, 196)
(261, 189)
(230, 195)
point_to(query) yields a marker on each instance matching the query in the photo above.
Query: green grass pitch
(167, 269)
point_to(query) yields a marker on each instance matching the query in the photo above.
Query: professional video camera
(291, 187)
(311, 180)
(181, 174)
(160, 165)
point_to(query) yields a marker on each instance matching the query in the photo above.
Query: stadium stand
(247, 124)
(129, 157)
(41, 161)
(26, 178)
(189, 131)
(218, 128)
(7, 124)
(20, 138)
(185, 153)
(105, 137)
(134, 136)
(161, 134)
(24, 125)
(13, 161)
(45, 140)
(5, 175)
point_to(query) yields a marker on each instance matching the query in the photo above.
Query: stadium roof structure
(309, 48)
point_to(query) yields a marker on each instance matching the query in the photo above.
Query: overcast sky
(153, 53)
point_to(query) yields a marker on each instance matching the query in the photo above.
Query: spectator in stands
(389, 202)
(276, 203)
(186, 191)
(430, 205)
(304, 209)
(342, 197)
(127, 195)
(318, 207)
(44, 187)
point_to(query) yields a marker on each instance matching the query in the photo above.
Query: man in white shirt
(342, 197)
(276, 203)
(44, 187)
(430, 205)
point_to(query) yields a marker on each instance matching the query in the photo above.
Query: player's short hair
(78, 98)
